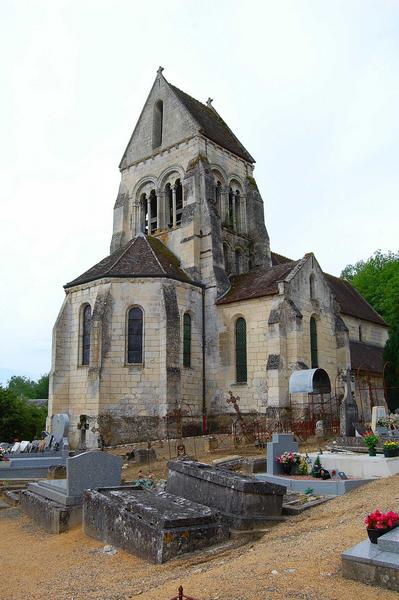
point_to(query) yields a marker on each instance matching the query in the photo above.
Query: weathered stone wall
(111, 387)
(371, 333)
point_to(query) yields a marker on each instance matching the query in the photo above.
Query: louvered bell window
(241, 351)
(187, 340)
(135, 336)
(86, 330)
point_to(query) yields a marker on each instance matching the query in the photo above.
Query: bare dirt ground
(305, 551)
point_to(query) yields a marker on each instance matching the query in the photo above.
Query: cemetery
(211, 501)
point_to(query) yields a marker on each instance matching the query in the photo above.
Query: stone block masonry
(244, 501)
(154, 525)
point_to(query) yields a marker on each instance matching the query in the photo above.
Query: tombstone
(152, 524)
(281, 442)
(15, 447)
(59, 429)
(57, 504)
(319, 429)
(24, 446)
(144, 455)
(243, 500)
(377, 412)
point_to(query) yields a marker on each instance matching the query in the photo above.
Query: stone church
(191, 302)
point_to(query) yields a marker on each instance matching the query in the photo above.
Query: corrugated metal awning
(309, 381)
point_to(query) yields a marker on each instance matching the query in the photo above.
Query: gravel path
(298, 559)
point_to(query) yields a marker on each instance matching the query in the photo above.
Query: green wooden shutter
(313, 343)
(187, 340)
(241, 351)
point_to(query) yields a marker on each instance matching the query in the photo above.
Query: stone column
(149, 213)
(174, 205)
(161, 220)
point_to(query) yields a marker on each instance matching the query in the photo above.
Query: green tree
(377, 279)
(18, 418)
(28, 388)
(391, 358)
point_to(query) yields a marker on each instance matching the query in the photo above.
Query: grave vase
(372, 452)
(286, 467)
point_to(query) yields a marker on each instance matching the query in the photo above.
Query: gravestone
(319, 429)
(59, 429)
(144, 455)
(57, 504)
(377, 412)
(243, 500)
(281, 442)
(152, 524)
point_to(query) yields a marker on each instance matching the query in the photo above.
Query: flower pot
(390, 452)
(372, 452)
(286, 468)
(374, 534)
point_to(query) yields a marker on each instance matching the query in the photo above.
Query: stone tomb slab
(243, 500)
(370, 564)
(156, 526)
(57, 504)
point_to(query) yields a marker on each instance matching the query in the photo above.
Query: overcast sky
(311, 88)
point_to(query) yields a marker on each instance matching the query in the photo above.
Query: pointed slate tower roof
(202, 119)
(143, 256)
(212, 125)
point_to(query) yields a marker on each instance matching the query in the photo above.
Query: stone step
(389, 542)
(12, 497)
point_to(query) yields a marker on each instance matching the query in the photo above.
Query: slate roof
(212, 125)
(143, 256)
(255, 284)
(366, 357)
(279, 259)
(351, 302)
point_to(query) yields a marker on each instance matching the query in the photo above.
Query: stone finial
(209, 102)
(160, 69)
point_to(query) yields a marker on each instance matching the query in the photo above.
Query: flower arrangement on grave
(371, 441)
(303, 468)
(317, 468)
(3, 454)
(391, 449)
(287, 460)
(378, 523)
(391, 422)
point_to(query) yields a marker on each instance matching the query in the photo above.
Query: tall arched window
(135, 336)
(153, 210)
(241, 350)
(226, 259)
(237, 215)
(230, 216)
(157, 124)
(238, 261)
(179, 202)
(187, 340)
(313, 343)
(86, 331)
(311, 286)
(360, 333)
(218, 197)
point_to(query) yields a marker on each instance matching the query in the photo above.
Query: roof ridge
(155, 256)
(128, 246)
